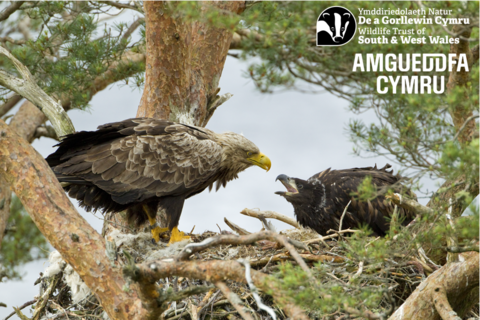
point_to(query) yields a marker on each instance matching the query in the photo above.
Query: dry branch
(236, 228)
(242, 240)
(234, 300)
(214, 271)
(270, 215)
(307, 257)
(337, 234)
(28, 88)
(10, 9)
(9, 104)
(30, 177)
(410, 204)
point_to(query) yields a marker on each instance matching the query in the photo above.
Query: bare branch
(463, 249)
(464, 125)
(322, 239)
(270, 215)
(236, 228)
(47, 132)
(23, 306)
(119, 5)
(234, 300)
(9, 104)
(8, 39)
(240, 240)
(132, 28)
(411, 204)
(28, 88)
(10, 9)
(307, 257)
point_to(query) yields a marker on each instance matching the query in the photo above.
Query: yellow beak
(261, 160)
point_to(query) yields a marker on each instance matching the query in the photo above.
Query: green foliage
(68, 48)
(25, 243)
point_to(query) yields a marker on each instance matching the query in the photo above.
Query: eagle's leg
(177, 236)
(154, 228)
(173, 207)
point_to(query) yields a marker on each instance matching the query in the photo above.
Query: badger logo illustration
(335, 27)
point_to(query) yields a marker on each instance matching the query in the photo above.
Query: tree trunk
(30, 177)
(184, 63)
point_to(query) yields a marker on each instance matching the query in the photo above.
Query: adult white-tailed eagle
(140, 164)
(319, 202)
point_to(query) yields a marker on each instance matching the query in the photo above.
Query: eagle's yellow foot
(177, 236)
(157, 231)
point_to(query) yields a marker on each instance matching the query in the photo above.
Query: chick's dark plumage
(320, 201)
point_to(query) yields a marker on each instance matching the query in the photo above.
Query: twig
(10, 9)
(26, 304)
(242, 240)
(343, 215)
(452, 238)
(8, 39)
(359, 271)
(270, 215)
(119, 5)
(234, 300)
(464, 126)
(132, 28)
(307, 257)
(254, 289)
(410, 204)
(10, 103)
(463, 249)
(236, 228)
(365, 314)
(322, 239)
(44, 298)
(20, 314)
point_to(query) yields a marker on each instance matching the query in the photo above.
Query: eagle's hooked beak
(261, 160)
(289, 183)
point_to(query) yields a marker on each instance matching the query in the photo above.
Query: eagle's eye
(300, 186)
(249, 154)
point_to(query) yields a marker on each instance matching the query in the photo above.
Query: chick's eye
(300, 186)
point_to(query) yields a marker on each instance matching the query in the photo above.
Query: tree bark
(184, 63)
(30, 177)
(24, 123)
(450, 291)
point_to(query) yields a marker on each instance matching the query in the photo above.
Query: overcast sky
(301, 133)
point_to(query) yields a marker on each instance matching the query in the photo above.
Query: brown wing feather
(133, 160)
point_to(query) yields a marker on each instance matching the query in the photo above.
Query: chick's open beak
(260, 160)
(289, 183)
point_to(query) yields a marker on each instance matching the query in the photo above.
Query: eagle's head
(299, 192)
(240, 153)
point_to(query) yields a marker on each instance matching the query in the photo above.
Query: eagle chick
(319, 202)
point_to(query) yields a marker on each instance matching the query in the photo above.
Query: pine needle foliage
(22, 243)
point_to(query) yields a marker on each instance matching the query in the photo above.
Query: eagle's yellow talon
(157, 231)
(177, 236)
